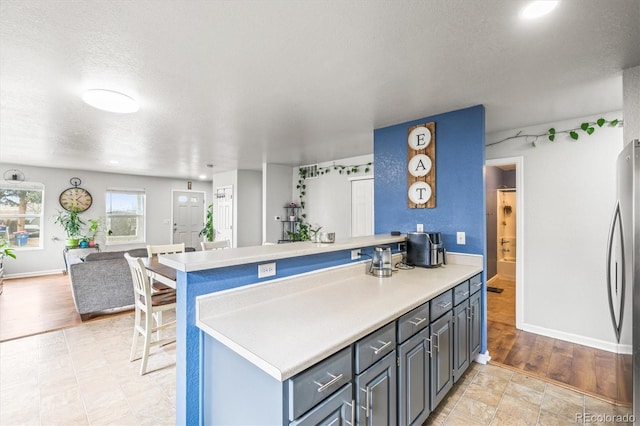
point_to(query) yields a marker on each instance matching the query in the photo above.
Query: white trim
(520, 280)
(483, 358)
(580, 340)
(361, 177)
(33, 274)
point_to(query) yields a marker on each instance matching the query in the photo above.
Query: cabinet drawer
(441, 304)
(412, 322)
(475, 283)
(318, 382)
(375, 346)
(461, 293)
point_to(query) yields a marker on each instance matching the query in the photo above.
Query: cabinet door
(442, 358)
(376, 393)
(461, 319)
(475, 306)
(414, 384)
(335, 411)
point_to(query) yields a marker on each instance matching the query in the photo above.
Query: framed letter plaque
(421, 166)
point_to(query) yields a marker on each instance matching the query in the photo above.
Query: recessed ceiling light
(535, 9)
(202, 177)
(114, 161)
(109, 100)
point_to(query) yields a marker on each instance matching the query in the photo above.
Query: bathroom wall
(495, 178)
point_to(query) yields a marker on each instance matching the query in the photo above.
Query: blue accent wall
(460, 154)
(460, 187)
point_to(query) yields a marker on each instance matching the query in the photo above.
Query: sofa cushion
(104, 255)
(139, 252)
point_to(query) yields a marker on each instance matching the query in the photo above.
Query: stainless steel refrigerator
(623, 276)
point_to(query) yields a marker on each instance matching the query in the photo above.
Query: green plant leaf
(590, 130)
(573, 135)
(614, 123)
(533, 144)
(601, 122)
(552, 137)
(584, 126)
(366, 170)
(552, 131)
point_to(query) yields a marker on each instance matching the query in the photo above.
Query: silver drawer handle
(430, 351)
(444, 305)
(437, 336)
(333, 381)
(367, 406)
(477, 284)
(384, 345)
(353, 413)
(417, 323)
(464, 293)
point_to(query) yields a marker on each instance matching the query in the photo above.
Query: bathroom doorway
(504, 230)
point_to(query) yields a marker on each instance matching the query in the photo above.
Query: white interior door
(361, 207)
(188, 217)
(224, 214)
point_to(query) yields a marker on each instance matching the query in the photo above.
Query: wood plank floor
(36, 305)
(579, 367)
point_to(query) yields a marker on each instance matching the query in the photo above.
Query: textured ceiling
(239, 83)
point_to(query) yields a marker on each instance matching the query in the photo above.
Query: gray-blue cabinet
(376, 393)
(461, 353)
(338, 410)
(414, 379)
(475, 329)
(442, 358)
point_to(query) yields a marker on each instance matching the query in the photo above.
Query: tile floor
(81, 375)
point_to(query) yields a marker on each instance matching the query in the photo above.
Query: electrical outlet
(402, 246)
(461, 238)
(355, 254)
(267, 270)
(420, 227)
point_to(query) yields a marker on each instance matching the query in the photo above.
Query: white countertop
(285, 326)
(211, 259)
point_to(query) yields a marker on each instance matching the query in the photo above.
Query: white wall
(249, 208)
(328, 197)
(49, 259)
(631, 101)
(569, 193)
(276, 193)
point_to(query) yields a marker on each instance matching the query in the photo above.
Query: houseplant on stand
(94, 229)
(4, 252)
(70, 221)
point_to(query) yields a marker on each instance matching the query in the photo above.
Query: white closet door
(362, 207)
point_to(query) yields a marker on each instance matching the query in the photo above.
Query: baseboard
(580, 340)
(33, 274)
(483, 358)
(492, 279)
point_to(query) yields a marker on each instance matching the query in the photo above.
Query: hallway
(566, 364)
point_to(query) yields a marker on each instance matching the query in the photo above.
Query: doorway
(188, 217)
(223, 219)
(505, 225)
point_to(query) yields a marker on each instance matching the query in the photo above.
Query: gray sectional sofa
(102, 281)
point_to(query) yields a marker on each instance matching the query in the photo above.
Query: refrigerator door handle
(619, 287)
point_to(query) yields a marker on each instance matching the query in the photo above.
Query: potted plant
(70, 221)
(208, 232)
(5, 250)
(94, 229)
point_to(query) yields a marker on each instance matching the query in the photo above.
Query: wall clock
(76, 198)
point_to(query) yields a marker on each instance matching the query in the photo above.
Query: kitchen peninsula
(278, 329)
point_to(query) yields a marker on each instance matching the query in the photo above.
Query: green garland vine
(587, 127)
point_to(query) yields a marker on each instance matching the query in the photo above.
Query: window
(21, 214)
(125, 216)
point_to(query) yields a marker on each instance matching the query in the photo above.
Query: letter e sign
(421, 160)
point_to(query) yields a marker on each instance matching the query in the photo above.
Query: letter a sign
(421, 166)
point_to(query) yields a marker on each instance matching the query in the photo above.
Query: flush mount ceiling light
(536, 9)
(109, 100)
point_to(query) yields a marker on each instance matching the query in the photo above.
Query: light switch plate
(355, 254)
(461, 238)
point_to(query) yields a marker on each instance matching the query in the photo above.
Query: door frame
(204, 213)
(520, 280)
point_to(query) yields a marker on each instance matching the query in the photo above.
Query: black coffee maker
(425, 249)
